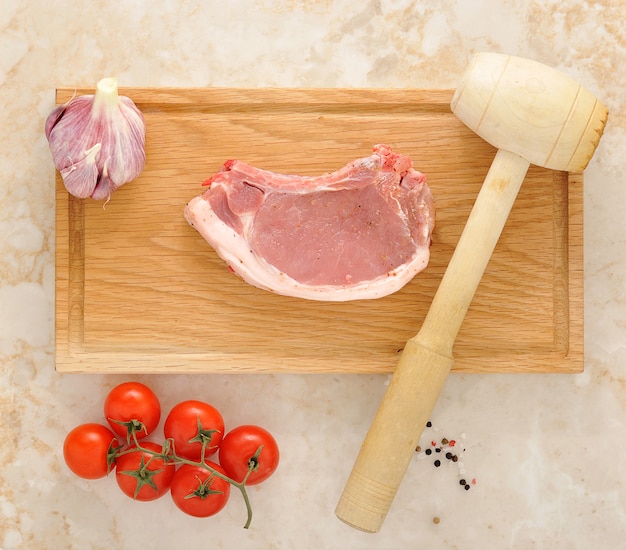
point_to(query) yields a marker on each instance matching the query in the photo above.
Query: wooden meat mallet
(532, 114)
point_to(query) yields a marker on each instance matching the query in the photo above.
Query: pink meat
(361, 232)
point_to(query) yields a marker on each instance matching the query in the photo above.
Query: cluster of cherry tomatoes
(194, 432)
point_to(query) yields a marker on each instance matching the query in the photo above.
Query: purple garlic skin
(97, 141)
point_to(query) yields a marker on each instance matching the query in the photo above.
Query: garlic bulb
(97, 141)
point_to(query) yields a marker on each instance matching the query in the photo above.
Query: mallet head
(530, 109)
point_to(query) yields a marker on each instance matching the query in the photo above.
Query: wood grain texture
(138, 290)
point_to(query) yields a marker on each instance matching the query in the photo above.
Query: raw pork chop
(361, 232)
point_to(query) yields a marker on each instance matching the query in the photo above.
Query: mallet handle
(427, 357)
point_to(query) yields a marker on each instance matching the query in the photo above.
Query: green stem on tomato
(165, 455)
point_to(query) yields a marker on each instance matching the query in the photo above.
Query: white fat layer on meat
(234, 250)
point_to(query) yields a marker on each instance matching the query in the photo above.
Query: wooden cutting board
(138, 290)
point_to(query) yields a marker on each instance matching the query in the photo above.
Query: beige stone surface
(545, 452)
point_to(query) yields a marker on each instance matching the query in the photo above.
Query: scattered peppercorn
(444, 445)
(436, 520)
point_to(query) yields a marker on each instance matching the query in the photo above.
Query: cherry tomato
(141, 475)
(189, 424)
(132, 407)
(239, 452)
(198, 492)
(89, 450)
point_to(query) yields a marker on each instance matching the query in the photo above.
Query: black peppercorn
(437, 463)
(428, 451)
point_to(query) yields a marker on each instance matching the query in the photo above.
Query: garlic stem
(108, 86)
(106, 94)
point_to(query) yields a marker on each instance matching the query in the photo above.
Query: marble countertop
(543, 453)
